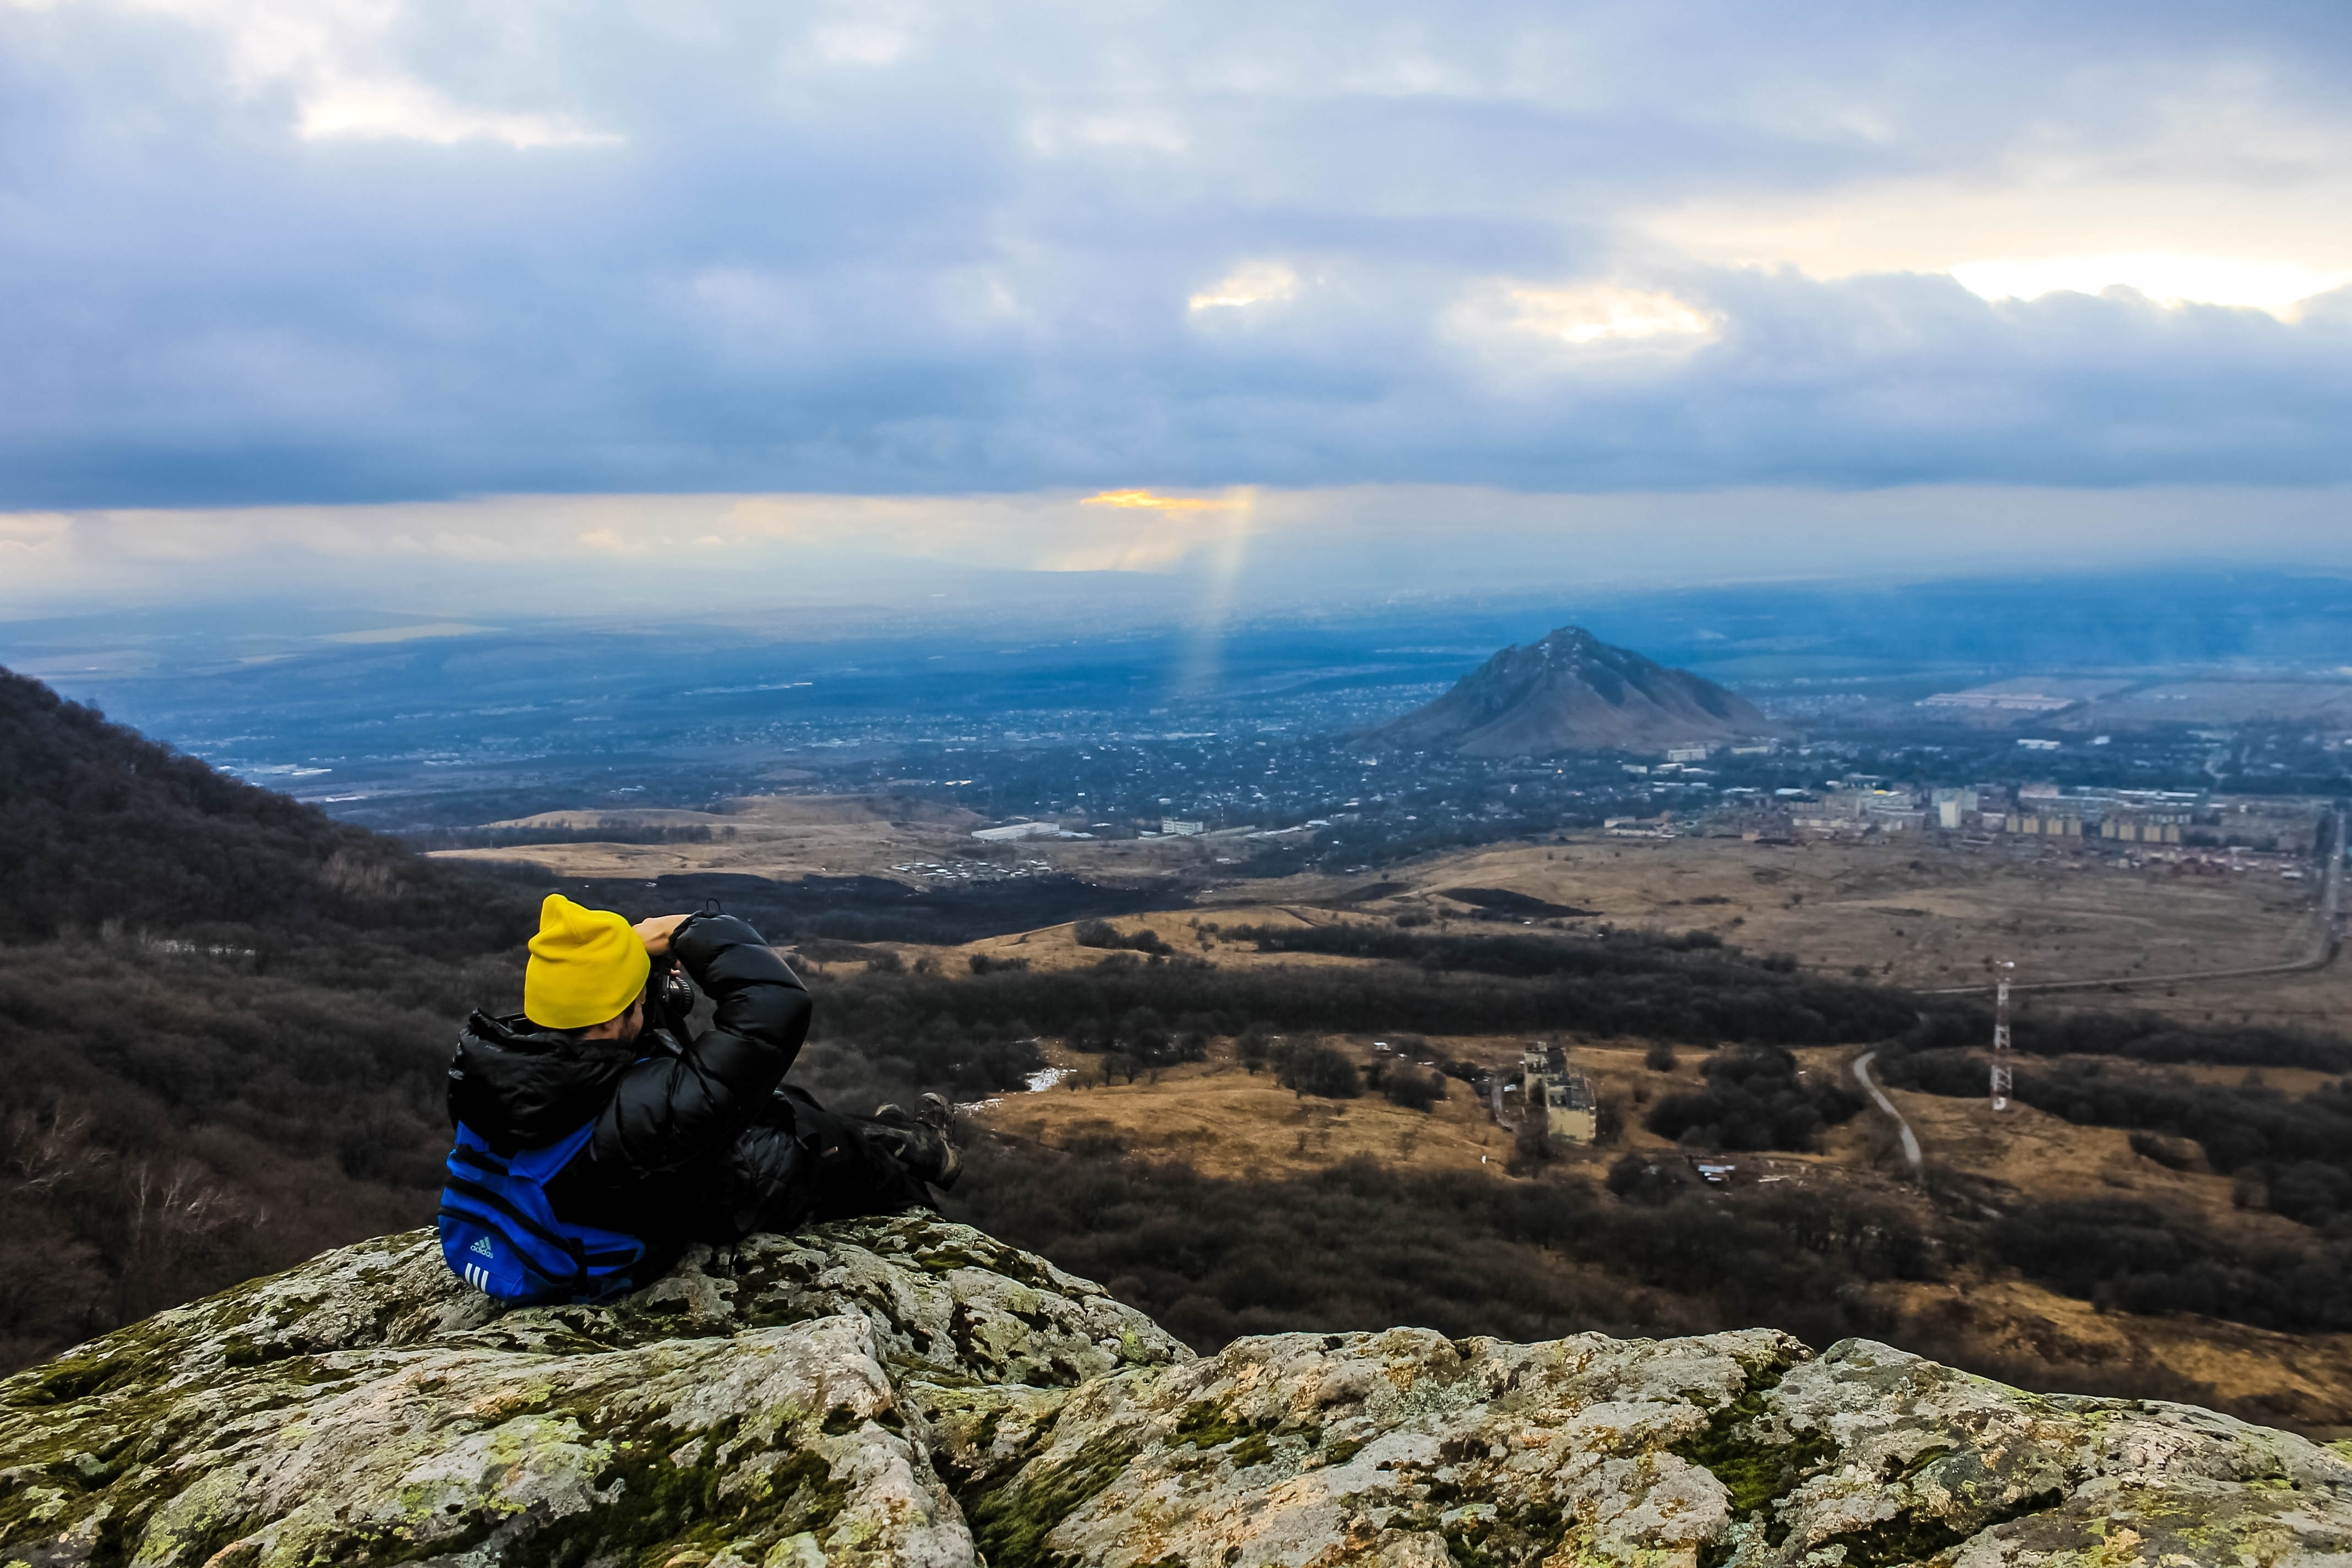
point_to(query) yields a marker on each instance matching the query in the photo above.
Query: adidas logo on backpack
(499, 1235)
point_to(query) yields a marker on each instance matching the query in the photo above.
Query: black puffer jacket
(670, 1160)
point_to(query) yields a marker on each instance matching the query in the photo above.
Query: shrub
(1647, 1179)
(2138, 1037)
(1754, 1098)
(1319, 1069)
(2240, 1129)
(1145, 1033)
(1412, 1087)
(2169, 1153)
(1102, 934)
(2131, 1256)
(2310, 1192)
(1522, 983)
(1531, 1143)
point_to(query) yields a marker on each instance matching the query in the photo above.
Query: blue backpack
(499, 1235)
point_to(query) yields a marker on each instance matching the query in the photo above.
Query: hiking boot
(920, 1140)
(932, 1112)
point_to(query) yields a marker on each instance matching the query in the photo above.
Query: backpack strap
(528, 1164)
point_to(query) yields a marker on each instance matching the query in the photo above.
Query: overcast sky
(1394, 288)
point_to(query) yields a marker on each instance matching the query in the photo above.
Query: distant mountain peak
(1572, 691)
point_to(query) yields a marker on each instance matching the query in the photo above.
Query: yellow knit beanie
(586, 967)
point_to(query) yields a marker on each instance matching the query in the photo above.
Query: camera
(669, 997)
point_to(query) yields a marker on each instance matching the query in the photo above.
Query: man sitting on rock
(687, 1139)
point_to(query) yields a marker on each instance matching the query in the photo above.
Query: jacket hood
(522, 1087)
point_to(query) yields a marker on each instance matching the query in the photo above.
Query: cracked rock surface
(913, 1392)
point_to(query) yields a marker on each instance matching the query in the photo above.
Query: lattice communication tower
(2002, 1074)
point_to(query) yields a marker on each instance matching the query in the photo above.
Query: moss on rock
(911, 1391)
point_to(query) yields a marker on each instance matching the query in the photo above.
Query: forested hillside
(223, 1023)
(105, 828)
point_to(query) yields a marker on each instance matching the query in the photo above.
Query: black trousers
(799, 1163)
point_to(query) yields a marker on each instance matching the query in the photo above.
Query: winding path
(1910, 1138)
(2326, 941)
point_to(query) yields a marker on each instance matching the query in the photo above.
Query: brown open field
(787, 837)
(2324, 704)
(1223, 1120)
(778, 835)
(1910, 914)
(2022, 1155)
(2320, 999)
(2132, 701)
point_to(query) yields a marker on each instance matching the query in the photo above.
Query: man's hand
(654, 931)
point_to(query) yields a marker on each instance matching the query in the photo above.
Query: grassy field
(1917, 914)
(1222, 1121)
(1911, 915)
(782, 837)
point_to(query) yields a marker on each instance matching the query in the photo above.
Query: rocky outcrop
(912, 1392)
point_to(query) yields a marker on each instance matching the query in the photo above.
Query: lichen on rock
(914, 1392)
(368, 1407)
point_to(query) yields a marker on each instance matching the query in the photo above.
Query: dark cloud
(904, 248)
